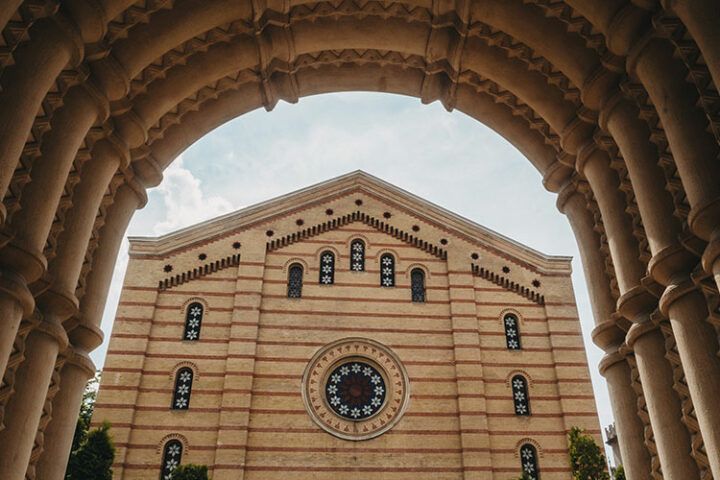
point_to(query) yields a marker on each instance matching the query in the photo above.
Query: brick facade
(246, 417)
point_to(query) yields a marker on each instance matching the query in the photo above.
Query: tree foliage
(190, 471)
(94, 457)
(619, 473)
(587, 461)
(86, 410)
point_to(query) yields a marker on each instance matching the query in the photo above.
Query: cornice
(355, 182)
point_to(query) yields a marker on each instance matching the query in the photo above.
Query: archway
(613, 102)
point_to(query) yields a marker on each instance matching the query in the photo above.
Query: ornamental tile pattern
(355, 388)
(357, 256)
(327, 268)
(528, 458)
(512, 332)
(387, 270)
(172, 454)
(193, 321)
(183, 387)
(520, 395)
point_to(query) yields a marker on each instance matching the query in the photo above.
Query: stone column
(53, 44)
(694, 151)
(662, 229)
(232, 439)
(60, 301)
(23, 411)
(697, 343)
(701, 17)
(65, 407)
(31, 225)
(671, 436)
(608, 336)
(472, 405)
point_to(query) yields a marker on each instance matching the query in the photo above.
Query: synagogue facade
(348, 329)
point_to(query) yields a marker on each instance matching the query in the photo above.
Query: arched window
(520, 395)
(417, 285)
(387, 270)
(357, 256)
(172, 454)
(295, 276)
(528, 457)
(193, 320)
(512, 332)
(183, 386)
(327, 268)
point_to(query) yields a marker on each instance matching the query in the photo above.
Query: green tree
(86, 410)
(587, 461)
(619, 473)
(190, 471)
(93, 459)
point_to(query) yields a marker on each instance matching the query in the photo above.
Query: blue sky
(447, 158)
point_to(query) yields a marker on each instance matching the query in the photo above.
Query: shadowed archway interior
(614, 102)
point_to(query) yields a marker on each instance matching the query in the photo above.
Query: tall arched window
(327, 268)
(295, 277)
(417, 285)
(193, 321)
(172, 454)
(512, 332)
(528, 457)
(521, 398)
(387, 270)
(183, 387)
(357, 256)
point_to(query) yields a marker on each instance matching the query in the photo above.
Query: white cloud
(185, 202)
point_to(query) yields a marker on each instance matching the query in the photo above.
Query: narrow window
(193, 320)
(512, 332)
(387, 270)
(520, 395)
(295, 281)
(417, 285)
(172, 453)
(327, 268)
(183, 386)
(357, 256)
(528, 457)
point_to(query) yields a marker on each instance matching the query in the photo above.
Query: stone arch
(615, 103)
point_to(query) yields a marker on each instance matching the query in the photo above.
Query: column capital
(79, 359)
(596, 86)
(85, 338)
(675, 291)
(636, 304)
(607, 335)
(50, 326)
(576, 134)
(610, 359)
(14, 285)
(60, 303)
(671, 262)
(566, 193)
(638, 330)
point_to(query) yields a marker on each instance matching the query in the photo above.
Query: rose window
(355, 390)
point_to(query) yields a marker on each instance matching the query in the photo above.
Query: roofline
(302, 198)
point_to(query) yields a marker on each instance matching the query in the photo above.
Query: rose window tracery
(355, 390)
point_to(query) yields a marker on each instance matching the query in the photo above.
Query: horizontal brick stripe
(383, 469)
(333, 313)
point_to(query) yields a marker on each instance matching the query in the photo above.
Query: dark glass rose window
(355, 390)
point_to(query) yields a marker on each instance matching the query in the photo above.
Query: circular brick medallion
(355, 388)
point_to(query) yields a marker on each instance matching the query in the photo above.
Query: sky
(444, 157)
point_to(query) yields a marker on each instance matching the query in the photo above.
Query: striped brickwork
(246, 417)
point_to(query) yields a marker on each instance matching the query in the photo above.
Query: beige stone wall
(246, 408)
